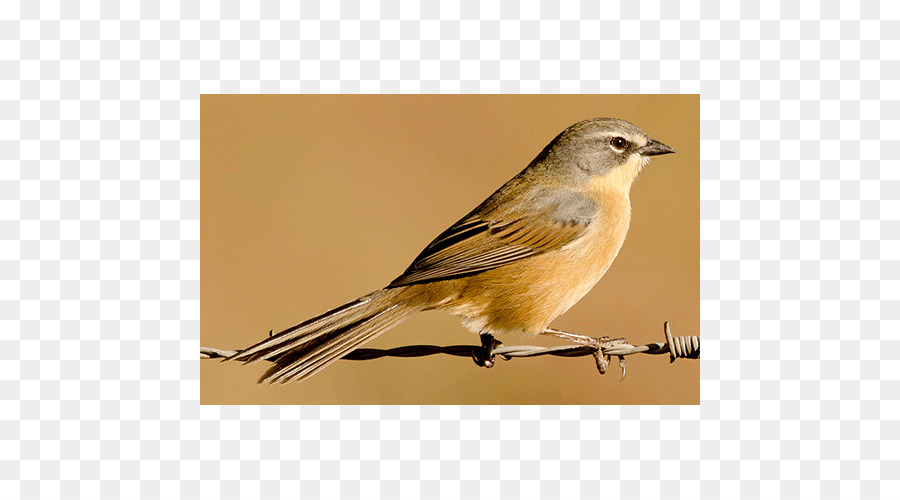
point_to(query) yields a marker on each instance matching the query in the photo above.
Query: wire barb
(602, 349)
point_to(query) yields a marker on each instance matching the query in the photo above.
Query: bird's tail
(303, 350)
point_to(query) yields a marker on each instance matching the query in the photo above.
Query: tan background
(308, 202)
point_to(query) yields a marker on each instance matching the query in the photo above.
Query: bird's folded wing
(487, 239)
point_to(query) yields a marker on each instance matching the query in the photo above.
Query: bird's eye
(618, 143)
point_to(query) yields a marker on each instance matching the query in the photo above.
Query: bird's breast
(526, 296)
(592, 255)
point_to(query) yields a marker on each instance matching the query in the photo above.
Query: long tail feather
(306, 331)
(303, 350)
(302, 365)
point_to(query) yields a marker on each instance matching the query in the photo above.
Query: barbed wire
(602, 349)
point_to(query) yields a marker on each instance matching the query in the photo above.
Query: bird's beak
(654, 148)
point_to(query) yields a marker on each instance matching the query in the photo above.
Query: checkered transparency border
(99, 250)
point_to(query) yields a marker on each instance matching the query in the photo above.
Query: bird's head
(607, 148)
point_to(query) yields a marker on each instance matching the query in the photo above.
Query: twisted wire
(603, 349)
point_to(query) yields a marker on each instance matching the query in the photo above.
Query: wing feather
(487, 239)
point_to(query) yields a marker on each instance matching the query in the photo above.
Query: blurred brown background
(308, 202)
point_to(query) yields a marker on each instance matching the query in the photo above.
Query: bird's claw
(603, 359)
(484, 355)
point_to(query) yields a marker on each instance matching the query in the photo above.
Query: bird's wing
(493, 237)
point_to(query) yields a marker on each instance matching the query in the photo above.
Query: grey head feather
(583, 148)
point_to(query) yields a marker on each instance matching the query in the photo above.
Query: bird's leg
(484, 355)
(574, 337)
(598, 344)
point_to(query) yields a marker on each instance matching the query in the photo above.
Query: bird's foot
(603, 359)
(484, 355)
(598, 344)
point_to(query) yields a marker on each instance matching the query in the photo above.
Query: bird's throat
(619, 179)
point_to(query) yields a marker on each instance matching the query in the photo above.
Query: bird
(522, 257)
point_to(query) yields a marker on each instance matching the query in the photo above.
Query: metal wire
(602, 349)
